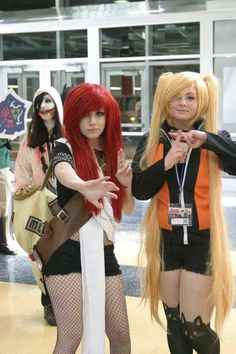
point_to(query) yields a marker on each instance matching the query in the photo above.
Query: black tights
(184, 336)
(177, 342)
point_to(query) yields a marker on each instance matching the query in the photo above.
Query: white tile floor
(24, 331)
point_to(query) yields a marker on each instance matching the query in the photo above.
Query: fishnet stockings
(66, 295)
(117, 326)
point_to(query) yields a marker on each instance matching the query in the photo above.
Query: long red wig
(82, 100)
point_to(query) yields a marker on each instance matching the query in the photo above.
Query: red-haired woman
(83, 277)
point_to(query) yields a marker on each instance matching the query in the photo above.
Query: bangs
(38, 101)
(87, 98)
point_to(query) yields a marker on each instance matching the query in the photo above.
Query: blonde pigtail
(156, 120)
(151, 248)
(220, 263)
(151, 235)
(212, 109)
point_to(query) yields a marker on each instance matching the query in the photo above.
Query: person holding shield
(35, 153)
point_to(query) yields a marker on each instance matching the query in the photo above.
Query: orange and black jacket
(155, 180)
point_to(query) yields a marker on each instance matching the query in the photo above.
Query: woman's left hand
(194, 138)
(124, 172)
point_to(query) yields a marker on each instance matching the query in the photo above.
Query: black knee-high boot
(4, 248)
(202, 338)
(176, 340)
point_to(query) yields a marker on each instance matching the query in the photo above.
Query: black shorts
(66, 259)
(193, 257)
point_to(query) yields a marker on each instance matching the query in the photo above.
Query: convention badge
(180, 216)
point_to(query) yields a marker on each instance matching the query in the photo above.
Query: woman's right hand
(177, 153)
(96, 189)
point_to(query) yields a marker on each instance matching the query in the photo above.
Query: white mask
(47, 108)
(47, 103)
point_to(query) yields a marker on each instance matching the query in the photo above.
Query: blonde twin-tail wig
(222, 294)
(221, 298)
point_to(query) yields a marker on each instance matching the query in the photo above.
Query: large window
(167, 39)
(173, 39)
(17, 5)
(123, 42)
(43, 45)
(225, 70)
(224, 36)
(73, 44)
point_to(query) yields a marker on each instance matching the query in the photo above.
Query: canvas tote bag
(32, 209)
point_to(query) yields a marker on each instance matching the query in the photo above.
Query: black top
(147, 183)
(62, 153)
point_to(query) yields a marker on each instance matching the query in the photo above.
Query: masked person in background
(5, 193)
(177, 165)
(36, 151)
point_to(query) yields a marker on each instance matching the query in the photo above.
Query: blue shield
(13, 115)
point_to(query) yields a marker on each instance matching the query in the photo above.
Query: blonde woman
(177, 165)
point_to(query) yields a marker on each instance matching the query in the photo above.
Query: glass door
(67, 74)
(24, 84)
(127, 85)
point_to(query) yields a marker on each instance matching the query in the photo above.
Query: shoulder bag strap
(68, 220)
(47, 176)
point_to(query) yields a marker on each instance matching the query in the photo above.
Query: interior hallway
(24, 331)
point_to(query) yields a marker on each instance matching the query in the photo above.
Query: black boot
(200, 336)
(4, 248)
(48, 310)
(176, 340)
(49, 315)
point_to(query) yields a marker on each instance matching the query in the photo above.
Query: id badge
(179, 216)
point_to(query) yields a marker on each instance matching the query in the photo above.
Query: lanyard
(181, 178)
(181, 181)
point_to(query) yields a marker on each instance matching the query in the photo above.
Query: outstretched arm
(92, 190)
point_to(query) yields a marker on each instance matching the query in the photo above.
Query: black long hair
(37, 131)
(65, 91)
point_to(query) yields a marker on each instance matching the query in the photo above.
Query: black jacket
(147, 183)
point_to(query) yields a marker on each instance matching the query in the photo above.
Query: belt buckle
(63, 216)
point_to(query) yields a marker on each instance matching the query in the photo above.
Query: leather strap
(47, 176)
(67, 221)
